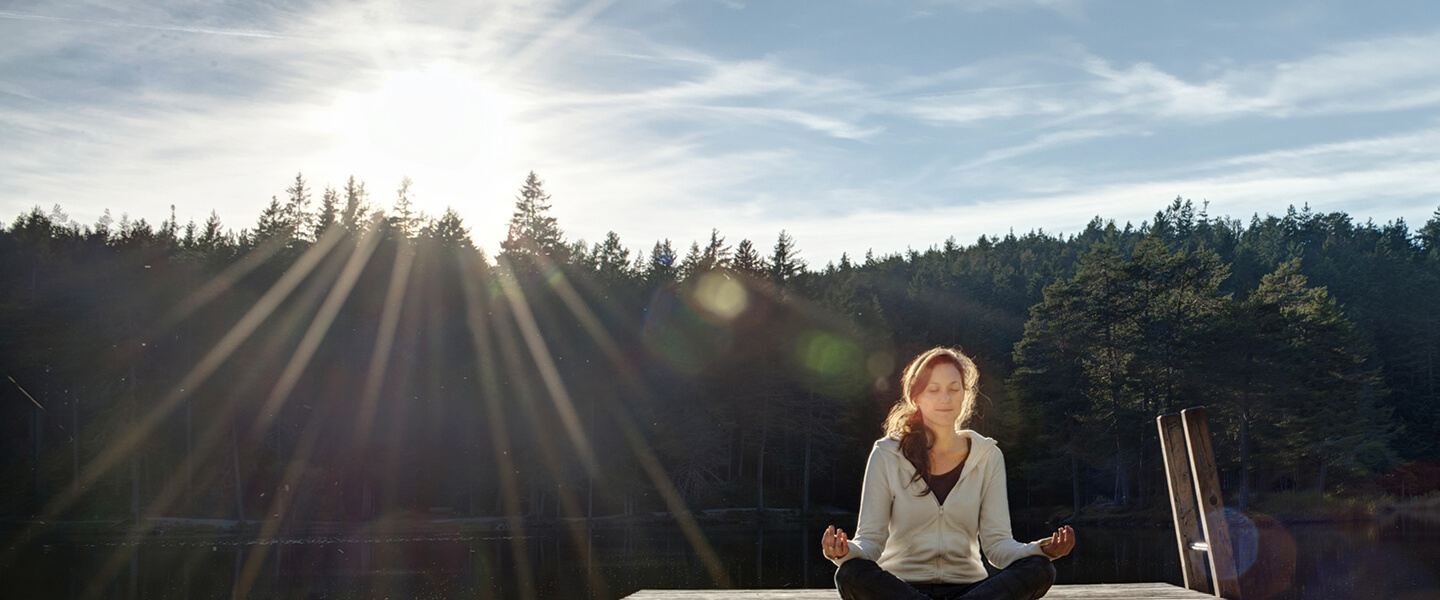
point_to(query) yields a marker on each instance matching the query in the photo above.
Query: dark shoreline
(173, 529)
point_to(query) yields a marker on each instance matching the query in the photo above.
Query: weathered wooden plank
(1182, 502)
(1102, 591)
(1212, 510)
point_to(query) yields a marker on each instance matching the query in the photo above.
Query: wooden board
(1212, 510)
(1183, 505)
(1100, 591)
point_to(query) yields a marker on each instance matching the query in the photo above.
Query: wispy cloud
(5, 14)
(1045, 142)
(1377, 75)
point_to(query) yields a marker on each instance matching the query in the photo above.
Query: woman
(934, 498)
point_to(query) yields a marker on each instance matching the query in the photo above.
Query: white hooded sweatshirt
(918, 539)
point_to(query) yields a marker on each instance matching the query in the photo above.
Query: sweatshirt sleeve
(876, 498)
(996, 541)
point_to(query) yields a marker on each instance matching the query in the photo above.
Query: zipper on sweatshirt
(940, 543)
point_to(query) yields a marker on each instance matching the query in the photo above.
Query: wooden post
(1212, 510)
(1182, 503)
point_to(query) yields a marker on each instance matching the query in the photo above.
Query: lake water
(1398, 558)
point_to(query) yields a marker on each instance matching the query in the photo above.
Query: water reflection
(1394, 558)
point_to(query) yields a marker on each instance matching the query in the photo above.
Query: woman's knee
(851, 570)
(1039, 568)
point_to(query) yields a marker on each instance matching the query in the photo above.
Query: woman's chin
(941, 421)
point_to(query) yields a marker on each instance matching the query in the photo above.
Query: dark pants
(1025, 579)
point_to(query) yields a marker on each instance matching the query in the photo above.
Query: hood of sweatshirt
(980, 447)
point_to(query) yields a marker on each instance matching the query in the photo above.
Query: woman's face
(941, 398)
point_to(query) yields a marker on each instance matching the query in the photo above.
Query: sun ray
(173, 489)
(495, 413)
(565, 29)
(389, 322)
(673, 500)
(316, 332)
(220, 283)
(566, 498)
(559, 395)
(136, 434)
(648, 461)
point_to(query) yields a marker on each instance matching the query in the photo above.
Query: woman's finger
(1065, 541)
(1059, 543)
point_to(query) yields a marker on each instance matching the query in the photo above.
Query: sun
(438, 117)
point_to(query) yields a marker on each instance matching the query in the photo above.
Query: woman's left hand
(1059, 543)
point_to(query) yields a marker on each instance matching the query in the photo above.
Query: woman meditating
(934, 499)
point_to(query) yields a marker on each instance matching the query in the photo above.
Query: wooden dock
(1099, 591)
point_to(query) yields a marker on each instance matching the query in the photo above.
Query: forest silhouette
(340, 361)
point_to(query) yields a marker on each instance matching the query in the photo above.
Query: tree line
(341, 361)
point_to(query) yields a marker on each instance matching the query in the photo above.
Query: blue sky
(853, 124)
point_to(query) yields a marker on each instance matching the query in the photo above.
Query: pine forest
(347, 358)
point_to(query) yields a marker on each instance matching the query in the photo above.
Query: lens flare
(720, 297)
(828, 354)
(1265, 554)
(676, 335)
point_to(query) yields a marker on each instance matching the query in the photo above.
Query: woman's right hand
(834, 543)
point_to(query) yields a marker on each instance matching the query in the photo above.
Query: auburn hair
(906, 424)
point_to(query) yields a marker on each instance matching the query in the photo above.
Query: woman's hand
(834, 543)
(1059, 543)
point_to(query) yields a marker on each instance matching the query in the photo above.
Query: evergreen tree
(1430, 235)
(357, 204)
(747, 260)
(448, 231)
(297, 209)
(785, 262)
(275, 222)
(612, 260)
(187, 242)
(169, 230)
(662, 267)
(212, 236)
(404, 219)
(534, 237)
(329, 211)
(581, 255)
(1125, 335)
(716, 254)
(693, 263)
(1308, 397)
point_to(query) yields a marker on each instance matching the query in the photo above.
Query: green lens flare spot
(828, 354)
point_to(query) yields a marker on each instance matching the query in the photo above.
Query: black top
(941, 485)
